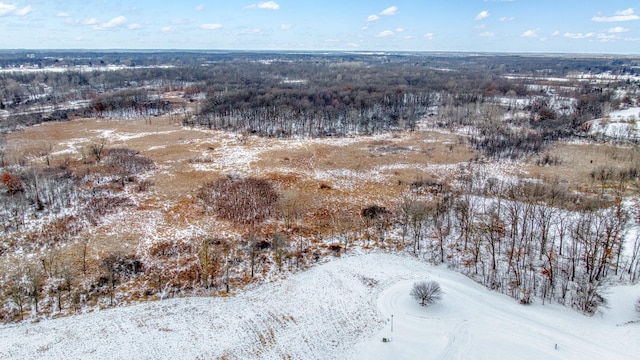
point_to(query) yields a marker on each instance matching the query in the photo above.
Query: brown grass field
(331, 174)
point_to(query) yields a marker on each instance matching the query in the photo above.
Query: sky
(520, 26)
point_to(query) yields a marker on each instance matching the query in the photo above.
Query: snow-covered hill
(620, 125)
(341, 309)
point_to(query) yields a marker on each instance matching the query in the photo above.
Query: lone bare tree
(97, 148)
(3, 149)
(426, 292)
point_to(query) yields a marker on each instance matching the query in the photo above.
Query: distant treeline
(558, 65)
(314, 94)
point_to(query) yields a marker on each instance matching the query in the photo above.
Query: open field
(330, 176)
(342, 173)
(356, 166)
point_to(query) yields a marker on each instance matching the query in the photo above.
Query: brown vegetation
(255, 207)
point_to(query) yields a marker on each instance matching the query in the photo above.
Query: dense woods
(321, 95)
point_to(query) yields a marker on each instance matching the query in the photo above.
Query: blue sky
(558, 26)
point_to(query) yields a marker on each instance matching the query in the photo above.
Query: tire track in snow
(460, 341)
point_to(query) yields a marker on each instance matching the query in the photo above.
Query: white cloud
(12, 9)
(623, 15)
(482, 15)
(531, 33)
(390, 11)
(579, 35)
(7, 9)
(268, 5)
(113, 23)
(373, 17)
(24, 11)
(428, 36)
(385, 33)
(211, 26)
(285, 27)
(555, 33)
(89, 21)
(617, 30)
(399, 30)
(487, 34)
(607, 38)
(134, 26)
(200, 7)
(506, 19)
(408, 37)
(254, 31)
(169, 29)
(63, 14)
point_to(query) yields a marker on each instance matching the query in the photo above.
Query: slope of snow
(473, 323)
(621, 124)
(340, 309)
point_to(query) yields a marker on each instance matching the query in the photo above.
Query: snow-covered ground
(79, 68)
(338, 310)
(621, 124)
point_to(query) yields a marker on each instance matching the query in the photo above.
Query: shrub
(374, 211)
(426, 292)
(243, 201)
(13, 184)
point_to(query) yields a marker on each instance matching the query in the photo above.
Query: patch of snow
(72, 146)
(113, 136)
(621, 124)
(79, 68)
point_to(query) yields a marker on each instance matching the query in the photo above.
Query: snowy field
(621, 124)
(338, 310)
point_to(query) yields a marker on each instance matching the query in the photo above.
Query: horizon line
(467, 52)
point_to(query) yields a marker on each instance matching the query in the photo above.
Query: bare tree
(291, 207)
(17, 291)
(602, 174)
(45, 151)
(403, 214)
(3, 149)
(207, 262)
(97, 148)
(633, 269)
(426, 292)
(418, 213)
(374, 215)
(280, 246)
(34, 284)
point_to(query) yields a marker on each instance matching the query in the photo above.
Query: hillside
(340, 309)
